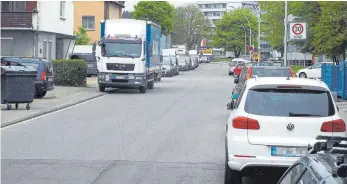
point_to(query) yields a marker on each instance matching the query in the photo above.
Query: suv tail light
(333, 126)
(241, 122)
(43, 76)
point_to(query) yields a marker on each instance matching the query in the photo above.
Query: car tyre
(151, 84)
(102, 88)
(302, 75)
(231, 176)
(40, 94)
(230, 74)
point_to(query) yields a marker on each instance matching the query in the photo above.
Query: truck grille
(120, 66)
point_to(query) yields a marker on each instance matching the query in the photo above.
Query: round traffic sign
(250, 47)
(297, 29)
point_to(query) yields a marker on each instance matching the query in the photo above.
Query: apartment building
(88, 14)
(213, 10)
(42, 29)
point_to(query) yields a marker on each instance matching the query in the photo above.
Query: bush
(70, 72)
(296, 68)
(221, 60)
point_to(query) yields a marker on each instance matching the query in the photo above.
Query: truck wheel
(151, 85)
(143, 89)
(102, 88)
(159, 79)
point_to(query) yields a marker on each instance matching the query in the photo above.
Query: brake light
(291, 72)
(249, 72)
(333, 126)
(290, 87)
(241, 122)
(43, 76)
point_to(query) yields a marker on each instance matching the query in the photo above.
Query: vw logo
(290, 126)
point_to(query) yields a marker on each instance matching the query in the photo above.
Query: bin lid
(18, 69)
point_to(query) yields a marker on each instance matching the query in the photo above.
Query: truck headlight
(101, 76)
(138, 77)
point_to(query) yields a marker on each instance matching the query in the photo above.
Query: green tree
(190, 26)
(160, 12)
(83, 38)
(230, 30)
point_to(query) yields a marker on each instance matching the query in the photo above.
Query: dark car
(260, 71)
(183, 62)
(45, 78)
(91, 61)
(326, 164)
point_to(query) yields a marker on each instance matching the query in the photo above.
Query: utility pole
(244, 29)
(258, 32)
(285, 31)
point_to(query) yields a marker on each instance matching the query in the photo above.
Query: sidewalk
(61, 97)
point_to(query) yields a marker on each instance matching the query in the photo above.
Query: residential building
(88, 14)
(42, 29)
(213, 10)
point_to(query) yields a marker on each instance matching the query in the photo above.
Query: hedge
(70, 72)
(296, 68)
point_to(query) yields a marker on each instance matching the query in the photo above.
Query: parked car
(183, 62)
(192, 64)
(321, 165)
(203, 59)
(168, 67)
(91, 62)
(313, 71)
(277, 63)
(264, 63)
(45, 78)
(260, 71)
(271, 123)
(234, 63)
(175, 64)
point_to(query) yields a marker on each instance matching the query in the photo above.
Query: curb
(6, 124)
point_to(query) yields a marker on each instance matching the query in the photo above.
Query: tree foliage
(160, 12)
(83, 38)
(190, 26)
(230, 30)
(326, 30)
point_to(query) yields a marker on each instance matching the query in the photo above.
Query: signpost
(297, 31)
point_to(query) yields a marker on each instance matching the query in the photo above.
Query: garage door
(6, 46)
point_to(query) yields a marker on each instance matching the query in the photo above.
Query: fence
(335, 77)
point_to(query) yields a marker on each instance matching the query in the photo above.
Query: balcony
(18, 20)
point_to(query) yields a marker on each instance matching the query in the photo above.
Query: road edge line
(13, 122)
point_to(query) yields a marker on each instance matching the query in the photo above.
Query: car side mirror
(235, 96)
(236, 80)
(230, 64)
(334, 94)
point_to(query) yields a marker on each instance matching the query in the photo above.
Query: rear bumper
(240, 163)
(167, 73)
(42, 86)
(92, 71)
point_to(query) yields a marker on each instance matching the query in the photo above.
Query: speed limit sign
(297, 31)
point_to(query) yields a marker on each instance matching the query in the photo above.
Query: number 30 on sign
(297, 31)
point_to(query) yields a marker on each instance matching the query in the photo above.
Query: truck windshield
(121, 50)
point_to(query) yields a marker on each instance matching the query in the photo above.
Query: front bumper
(129, 81)
(166, 73)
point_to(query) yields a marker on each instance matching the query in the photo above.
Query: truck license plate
(120, 77)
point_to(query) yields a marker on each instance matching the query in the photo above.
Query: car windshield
(277, 64)
(271, 72)
(115, 49)
(264, 64)
(168, 60)
(288, 102)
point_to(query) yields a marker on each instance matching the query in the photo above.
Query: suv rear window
(273, 72)
(289, 102)
(34, 65)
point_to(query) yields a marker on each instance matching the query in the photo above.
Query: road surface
(172, 134)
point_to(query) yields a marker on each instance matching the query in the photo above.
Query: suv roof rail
(333, 145)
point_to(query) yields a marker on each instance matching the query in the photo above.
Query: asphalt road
(172, 134)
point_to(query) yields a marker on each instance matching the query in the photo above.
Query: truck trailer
(130, 54)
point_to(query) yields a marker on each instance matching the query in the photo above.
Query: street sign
(297, 31)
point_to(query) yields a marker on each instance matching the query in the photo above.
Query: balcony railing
(16, 19)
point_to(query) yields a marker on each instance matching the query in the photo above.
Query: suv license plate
(288, 151)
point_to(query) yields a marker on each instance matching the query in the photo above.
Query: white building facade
(41, 29)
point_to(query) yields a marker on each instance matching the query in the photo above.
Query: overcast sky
(129, 5)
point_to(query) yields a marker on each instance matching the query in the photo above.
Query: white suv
(272, 122)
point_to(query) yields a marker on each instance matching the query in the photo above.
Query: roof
(119, 3)
(284, 81)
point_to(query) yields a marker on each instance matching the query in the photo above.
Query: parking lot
(172, 134)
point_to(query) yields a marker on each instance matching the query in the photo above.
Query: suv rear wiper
(291, 114)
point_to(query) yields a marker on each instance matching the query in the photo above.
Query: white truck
(130, 54)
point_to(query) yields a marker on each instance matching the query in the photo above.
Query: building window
(13, 6)
(50, 49)
(7, 46)
(88, 22)
(224, 5)
(44, 52)
(62, 9)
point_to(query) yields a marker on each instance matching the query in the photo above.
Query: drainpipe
(36, 37)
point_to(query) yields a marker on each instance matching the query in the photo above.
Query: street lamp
(244, 29)
(258, 13)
